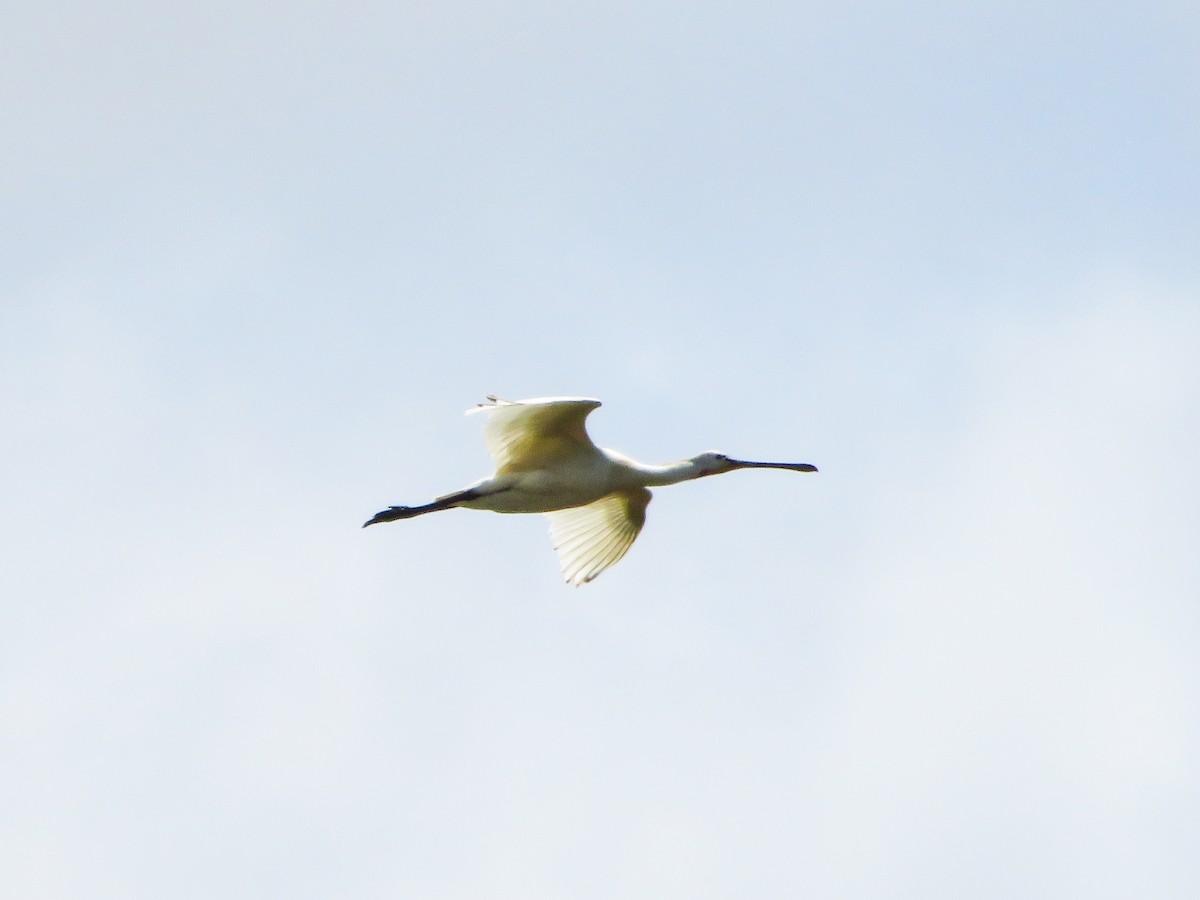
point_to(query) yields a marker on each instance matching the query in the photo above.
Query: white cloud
(1022, 717)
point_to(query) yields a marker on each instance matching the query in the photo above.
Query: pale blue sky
(255, 263)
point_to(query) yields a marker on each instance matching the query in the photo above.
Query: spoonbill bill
(545, 463)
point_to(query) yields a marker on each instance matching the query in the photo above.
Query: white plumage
(545, 462)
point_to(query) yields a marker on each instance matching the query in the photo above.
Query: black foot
(392, 513)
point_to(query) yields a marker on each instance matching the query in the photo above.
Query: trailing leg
(392, 513)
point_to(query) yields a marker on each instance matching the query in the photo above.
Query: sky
(255, 262)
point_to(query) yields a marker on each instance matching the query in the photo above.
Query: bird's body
(574, 482)
(545, 462)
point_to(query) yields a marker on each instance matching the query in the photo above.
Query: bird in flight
(545, 462)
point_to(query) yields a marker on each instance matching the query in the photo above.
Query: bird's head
(713, 463)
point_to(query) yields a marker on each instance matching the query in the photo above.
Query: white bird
(545, 463)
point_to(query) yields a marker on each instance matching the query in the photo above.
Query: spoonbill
(545, 463)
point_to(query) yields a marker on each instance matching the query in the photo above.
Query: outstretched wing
(524, 435)
(591, 538)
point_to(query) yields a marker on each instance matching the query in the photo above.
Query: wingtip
(492, 402)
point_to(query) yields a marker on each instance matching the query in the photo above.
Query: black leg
(392, 513)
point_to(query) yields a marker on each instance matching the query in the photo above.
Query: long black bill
(794, 467)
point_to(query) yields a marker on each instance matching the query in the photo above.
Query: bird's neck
(656, 476)
(671, 473)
